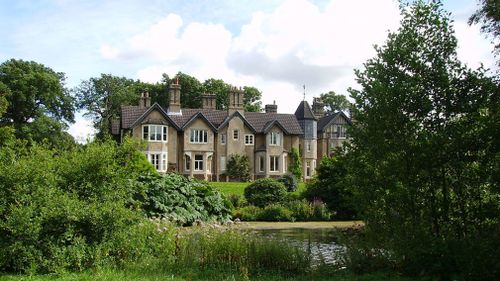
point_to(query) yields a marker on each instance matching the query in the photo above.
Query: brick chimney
(236, 100)
(272, 108)
(145, 100)
(174, 93)
(318, 108)
(209, 101)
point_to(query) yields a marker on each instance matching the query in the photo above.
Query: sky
(275, 45)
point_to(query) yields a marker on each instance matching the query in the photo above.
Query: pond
(321, 242)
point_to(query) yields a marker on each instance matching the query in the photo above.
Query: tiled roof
(325, 120)
(130, 114)
(258, 120)
(304, 111)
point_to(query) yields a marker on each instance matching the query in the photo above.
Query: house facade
(199, 142)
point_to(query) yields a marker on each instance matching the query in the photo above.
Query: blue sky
(275, 45)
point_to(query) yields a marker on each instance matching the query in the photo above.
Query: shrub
(331, 188)
(247, 213)
(295, 163)
(181, 200)
(263, 192)
(238, 168)
(236, 200)
(275, 212)
(302, 210)
(289, 181)
(62, 209)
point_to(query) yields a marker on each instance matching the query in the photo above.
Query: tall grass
(237, 251)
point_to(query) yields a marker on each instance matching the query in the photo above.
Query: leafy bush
(275, 212)
(181, 200)
(290, 182)
(330, 187)
(62, 209)
(266, 191)
(295, 167)
(247, 213)
(238, 168)
(236, 200)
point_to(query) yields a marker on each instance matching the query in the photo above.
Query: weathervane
(304, 91)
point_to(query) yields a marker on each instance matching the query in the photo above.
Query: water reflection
(323, 243)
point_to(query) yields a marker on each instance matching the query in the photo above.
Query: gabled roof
(273, 123)
(257, 121)
(199, 115)
(304, 111)
(327, 120)
(237, 114)
(157, 107)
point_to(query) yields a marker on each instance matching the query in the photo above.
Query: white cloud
(278, 51)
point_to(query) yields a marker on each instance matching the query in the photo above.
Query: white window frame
(223, 139)
(275, 139)
(236, 134)
(198, 164)
(308, 146)
(198, 136)
(149, 136)
(249, 139)
(285, 164)
(158, 159)
(274, 165)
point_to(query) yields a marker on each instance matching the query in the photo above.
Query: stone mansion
(198, 142)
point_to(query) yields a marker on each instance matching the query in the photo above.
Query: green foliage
(295, 167)
(236, 251)
(180, 200)
(102, 98)
(238, 167)
(294, 210)
(275, 212)
(251, 99)
(424, 155)
(289, 181)
(34, 101)
(266, 191)
(220, 89)
(63, 209)
(334, 102)
(330, 186)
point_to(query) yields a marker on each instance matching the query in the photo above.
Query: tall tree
(191, 90)
(35, 98)
(102, 98)
(334, 102)
(220, 89)
(425, 152)
(251, 100)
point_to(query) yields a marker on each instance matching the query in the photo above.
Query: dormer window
(155, 133)
(198, 136)
(275, 138)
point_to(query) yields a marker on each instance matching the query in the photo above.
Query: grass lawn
(238, 188)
